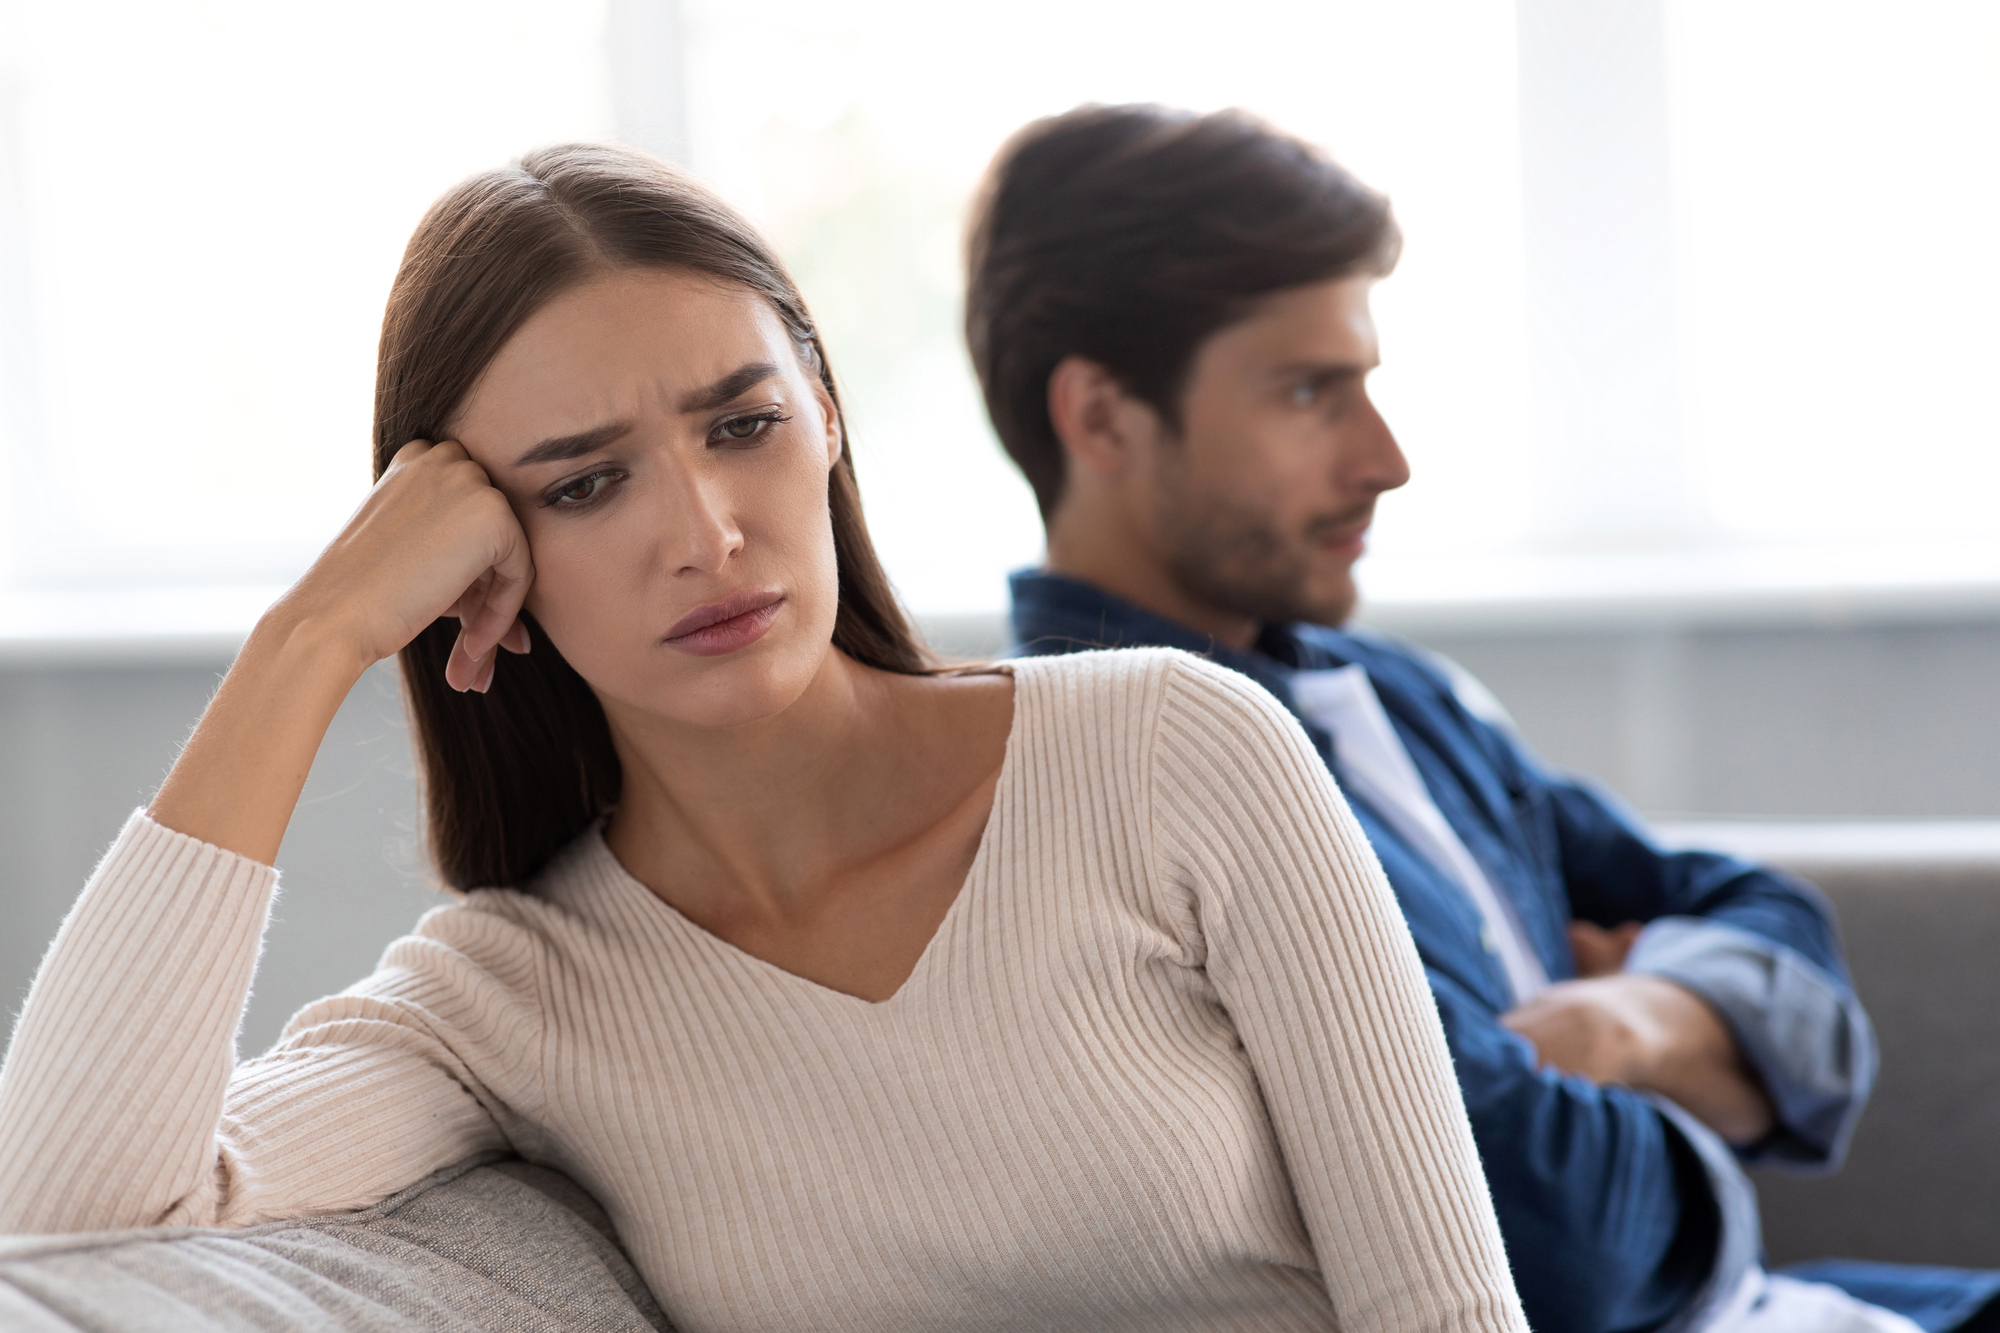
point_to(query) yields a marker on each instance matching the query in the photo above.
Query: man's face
(1261, 504)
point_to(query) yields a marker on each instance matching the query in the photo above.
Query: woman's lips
(725, 626)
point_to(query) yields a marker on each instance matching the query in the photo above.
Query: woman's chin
(716, 692)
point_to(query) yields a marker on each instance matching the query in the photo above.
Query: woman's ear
(836, 431)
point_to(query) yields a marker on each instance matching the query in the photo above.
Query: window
(857, 132)
(1694, 291)
(1694, 297)
(202, 204)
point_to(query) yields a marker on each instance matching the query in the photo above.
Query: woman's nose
(699, 526)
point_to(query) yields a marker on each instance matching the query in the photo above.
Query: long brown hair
(510, 776)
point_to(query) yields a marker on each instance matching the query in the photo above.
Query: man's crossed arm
(1641, 1031)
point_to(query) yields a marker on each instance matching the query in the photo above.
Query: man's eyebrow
(1324, 371)
(728, 387)
(562, 448)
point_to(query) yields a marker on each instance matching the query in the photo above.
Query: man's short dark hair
(1128, 235)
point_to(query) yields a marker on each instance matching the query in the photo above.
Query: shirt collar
(1054, 613)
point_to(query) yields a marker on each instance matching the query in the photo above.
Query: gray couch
(488, 1244)
(503, 1245)
(1922, 1181)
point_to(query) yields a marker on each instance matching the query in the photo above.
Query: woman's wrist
(311, 645)
(238, 780)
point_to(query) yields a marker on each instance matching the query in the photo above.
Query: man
(1169, 317)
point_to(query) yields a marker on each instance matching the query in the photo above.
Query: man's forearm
(1652, 1034)
(1696, 1063)
(1795, 1022)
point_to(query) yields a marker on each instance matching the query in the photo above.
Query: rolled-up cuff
(1739, 1243)
(1802, 1031)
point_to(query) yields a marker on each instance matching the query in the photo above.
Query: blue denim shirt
(1619, 1209)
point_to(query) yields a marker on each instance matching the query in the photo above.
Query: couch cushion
(487, 1244)
(1922, 1178)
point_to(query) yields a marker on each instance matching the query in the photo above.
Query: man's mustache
(1340, 525)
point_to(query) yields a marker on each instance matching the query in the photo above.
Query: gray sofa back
(1922, 1183)
(487, 1244)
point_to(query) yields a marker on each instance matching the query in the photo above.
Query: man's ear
(1093, 416)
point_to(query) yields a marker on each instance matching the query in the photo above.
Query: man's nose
(1373, 462)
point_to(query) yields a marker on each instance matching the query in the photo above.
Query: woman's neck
(747, 799)
(757, 818)
(830, 840)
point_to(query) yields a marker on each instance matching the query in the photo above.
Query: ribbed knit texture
(1170, 1061)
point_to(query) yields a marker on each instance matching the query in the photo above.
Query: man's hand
(1648, 1033)
(1600, 952)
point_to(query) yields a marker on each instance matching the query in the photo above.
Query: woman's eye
(748, 428)
(579, 492)
(1304, 395)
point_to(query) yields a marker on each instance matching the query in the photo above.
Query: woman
(863, 995)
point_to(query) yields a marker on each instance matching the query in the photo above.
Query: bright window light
(858, 134)
(208, 202)
(1748, 337)
(1690, 288)
(1837, 182)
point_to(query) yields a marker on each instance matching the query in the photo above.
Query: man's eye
(1304, 395)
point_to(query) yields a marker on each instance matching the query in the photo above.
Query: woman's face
(667, 453)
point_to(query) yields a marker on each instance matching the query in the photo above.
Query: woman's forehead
(629, 341)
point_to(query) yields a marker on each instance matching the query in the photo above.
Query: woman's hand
(433, 538)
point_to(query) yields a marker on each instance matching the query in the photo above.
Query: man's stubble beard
(1233, 557)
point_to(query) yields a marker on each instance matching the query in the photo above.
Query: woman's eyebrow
(562, 448)
(729, 386)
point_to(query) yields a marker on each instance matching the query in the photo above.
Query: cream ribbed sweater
(1169, 1062)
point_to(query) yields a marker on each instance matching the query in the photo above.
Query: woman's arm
(121, 1103)
(433, 538)
(1310, 955)
(112, 1098)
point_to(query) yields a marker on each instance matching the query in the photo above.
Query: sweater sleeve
(1310, 956)
(121, 1100)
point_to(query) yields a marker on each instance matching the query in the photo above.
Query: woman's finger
(489, 610)
(505, 589)
(463, 668)
(407, 455)
(471, 600)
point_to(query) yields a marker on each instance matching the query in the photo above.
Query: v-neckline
(742, 957)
